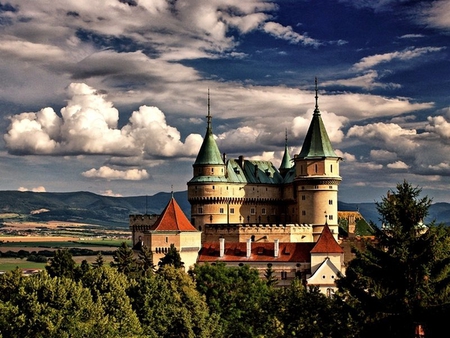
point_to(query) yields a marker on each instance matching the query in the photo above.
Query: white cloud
(398, 165)
(438, 125)
(437, 14)
(367, 81)
(109, 174)
(88, 125)
(110, 193)
(36, 189)
(407, 54)
(346, 156)
(382, 155)
(287, 33)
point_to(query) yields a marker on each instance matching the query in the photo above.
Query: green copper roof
(209, 151)
(317, 142)
(286, 162)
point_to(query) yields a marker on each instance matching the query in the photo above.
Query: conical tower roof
(317, 143)
(286, 162)
(172, 219)
(209, 151)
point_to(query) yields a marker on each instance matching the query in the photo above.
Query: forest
(397, 287)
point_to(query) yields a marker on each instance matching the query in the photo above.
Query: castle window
(303, 197)
(167, 239)
(303, 212)
(330, 217)
(283, 275)
(200, 210)
(252, 211)
(263, 211)
(315, 168)
(330, 187)
(212, 170)
(213, 187)
(231, 210)
(221, 210)
(316, 187)
(331, 168)
(330, 202)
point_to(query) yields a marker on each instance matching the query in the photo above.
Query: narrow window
(283, 275)
(331, 168)
(315, 167)
(221, 210)
(231, 210)
(303, 212)
(303, 197)
(252, 211)
(330, 217)
(330, 202)
(167, 239)
(263, 211)
(200, 210)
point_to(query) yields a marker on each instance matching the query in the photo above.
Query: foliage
(168, 305)
(269, 274)
(172, 257)
(109, 288)
(238, 295)
(43, 306)
(123, 259)
(61, 264)
(145, 260)
(403, 276)
(99, 261)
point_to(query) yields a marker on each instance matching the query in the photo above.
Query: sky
(110, 96)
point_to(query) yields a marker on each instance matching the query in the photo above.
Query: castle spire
(286, 162)
(316, 110)
(317, 143)
(209, 153)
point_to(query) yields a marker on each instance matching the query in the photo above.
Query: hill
(83, 207)
(109, 211)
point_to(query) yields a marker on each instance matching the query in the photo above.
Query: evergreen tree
(402, 278)
(269, 274)
(172, 257)
(145, 260)
(61, 264)
(99, 261)
(123, 260)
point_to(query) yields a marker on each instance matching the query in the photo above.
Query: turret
(286, 162)
(317, 177)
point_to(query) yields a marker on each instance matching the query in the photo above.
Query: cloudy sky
(110, 96)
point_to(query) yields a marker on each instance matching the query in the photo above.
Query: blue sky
(111, 96)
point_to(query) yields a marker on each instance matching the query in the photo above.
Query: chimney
(241, 162)
(276, 247)
(222, 247)
(249, 247)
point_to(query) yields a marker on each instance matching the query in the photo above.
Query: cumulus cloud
(110, 174)
(398, 165)
(439, 125)
(437, 14)
(88, 125)
(407, 54)
(36, 189)
(346, 156)
(382, 155)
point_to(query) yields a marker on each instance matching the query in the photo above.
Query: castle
(239, 198)
(250, 212)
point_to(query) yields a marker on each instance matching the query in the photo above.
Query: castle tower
(317, 178)
(209, 172)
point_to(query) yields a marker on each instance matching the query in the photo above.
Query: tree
(172, 257)
(43, 306)
(109, 289)
(123, 259)
(238, 295)
(269, 274)
(168, 305)
(402, 278)
(61, 264)
(145, 260)
(99, 261)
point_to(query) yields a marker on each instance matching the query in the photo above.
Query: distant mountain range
(86, 207)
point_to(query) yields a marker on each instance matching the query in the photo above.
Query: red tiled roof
(261, 252)
(327, 243)
(173, 219)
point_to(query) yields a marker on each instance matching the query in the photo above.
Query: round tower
(317, 178)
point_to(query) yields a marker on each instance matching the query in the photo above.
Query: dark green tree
(81, 270)
(402, 278)
(172, 257)
(124, 260)
(9, 283)
(61, 264)
(145, 260)
(99, 260)
(269, 274)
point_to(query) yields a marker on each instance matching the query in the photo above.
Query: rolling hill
(87, 207)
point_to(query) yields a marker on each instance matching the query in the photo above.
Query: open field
(7, 264)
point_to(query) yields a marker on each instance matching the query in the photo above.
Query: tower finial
(285, 137)
(208, 117)
(316, 110)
